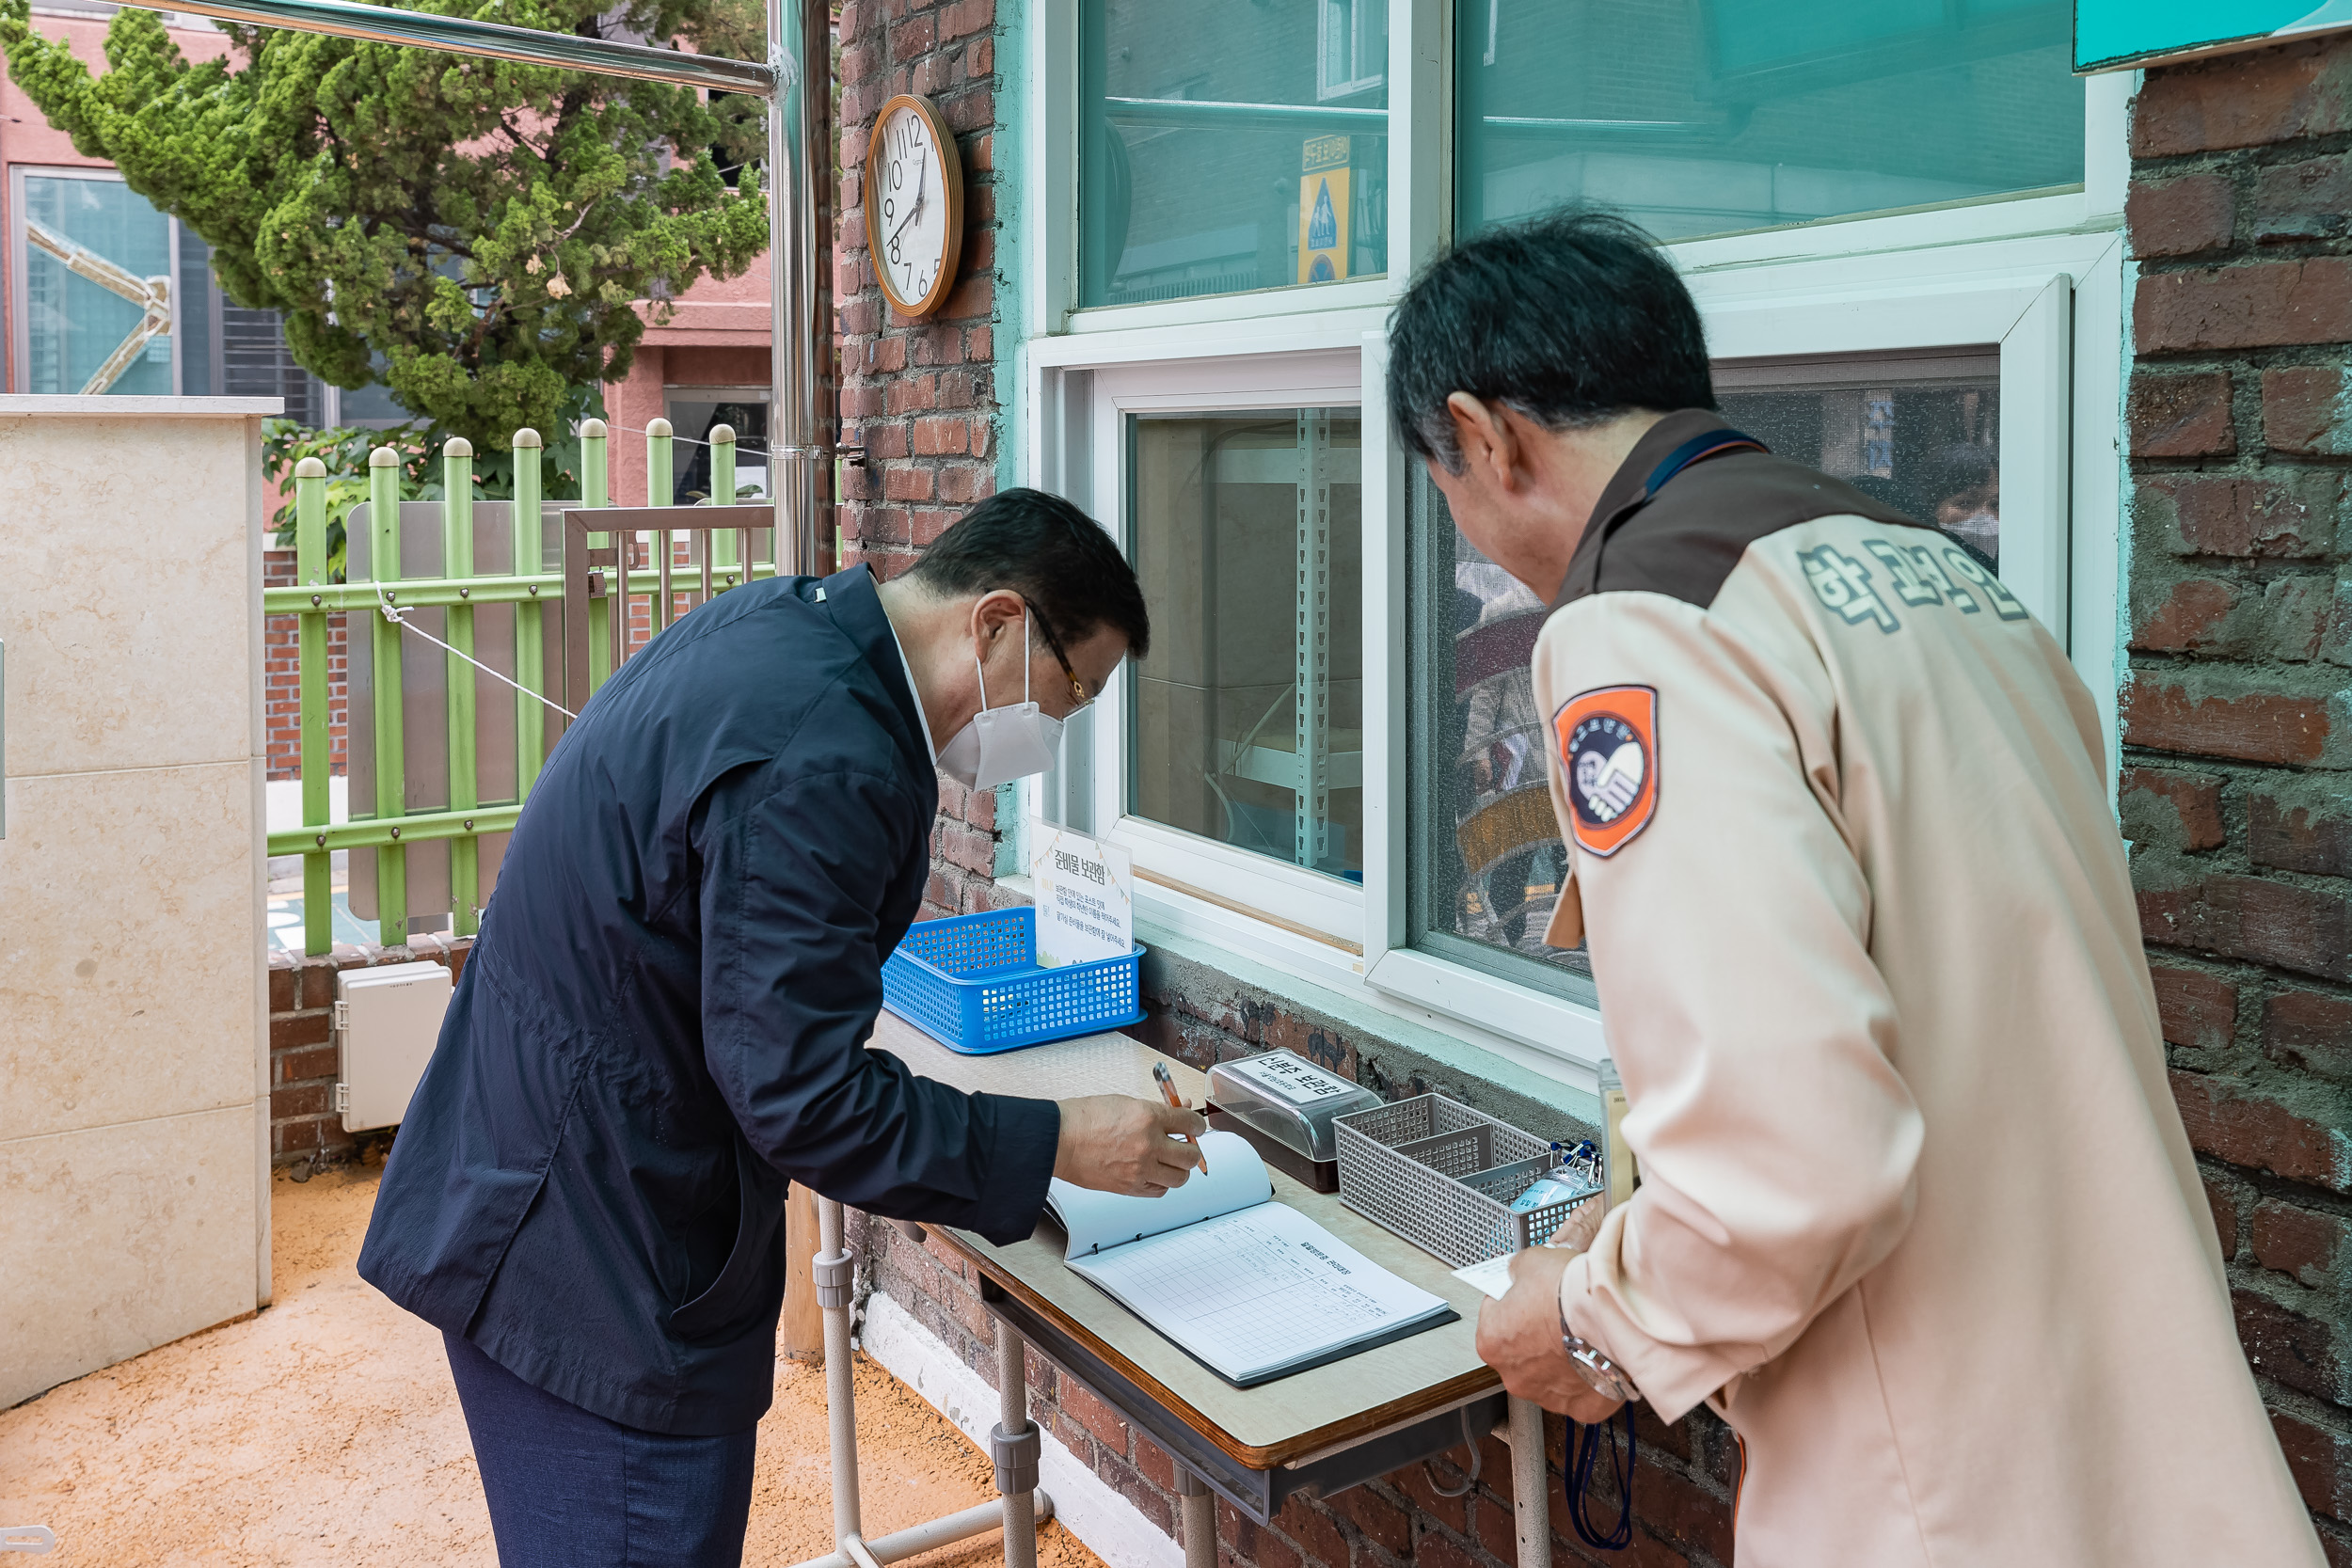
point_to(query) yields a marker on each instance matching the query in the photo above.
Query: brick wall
(302, 1118)
(2237, 720)
(920, 396)
(281, 699)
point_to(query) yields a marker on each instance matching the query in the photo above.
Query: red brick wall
(921, 396)
(2237, 720)
(282, 697)
(302, 1118)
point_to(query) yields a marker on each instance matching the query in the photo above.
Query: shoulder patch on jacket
(1608, 741)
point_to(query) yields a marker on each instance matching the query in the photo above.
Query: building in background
(104, 294)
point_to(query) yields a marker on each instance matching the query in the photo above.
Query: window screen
(1707, 117)
(1921, 433)
(1227, 145)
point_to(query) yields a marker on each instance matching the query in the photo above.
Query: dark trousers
(569, 1489)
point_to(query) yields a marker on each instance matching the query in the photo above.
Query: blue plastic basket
(972, 982)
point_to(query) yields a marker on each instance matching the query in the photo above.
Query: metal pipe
(840, 1394)
(492, 40)
(1197, 1508)
(915, 1539)
(1531, 1490)
(799, 284)
(1012, 1421)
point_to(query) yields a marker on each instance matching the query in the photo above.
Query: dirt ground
(324, 1431)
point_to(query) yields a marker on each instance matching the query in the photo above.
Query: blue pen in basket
(972, 982)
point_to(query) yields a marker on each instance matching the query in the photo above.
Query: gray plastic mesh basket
(1442, 1176)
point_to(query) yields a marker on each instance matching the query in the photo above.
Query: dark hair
(1051, 554)
(1570, 318)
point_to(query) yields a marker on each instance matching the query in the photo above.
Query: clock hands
(922, 172)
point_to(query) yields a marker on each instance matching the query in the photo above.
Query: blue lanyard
(1698, 449)
(1584, 1455)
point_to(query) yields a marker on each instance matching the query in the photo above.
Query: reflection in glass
(1707, 117)
(1921, 433)
(80, 332)
(1488, 860)
(1248, 714)
(1227, 145)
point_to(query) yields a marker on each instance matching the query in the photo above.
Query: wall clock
(913, 204)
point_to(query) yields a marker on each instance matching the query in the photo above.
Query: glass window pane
(1231, 145)
(1707, 117)
(82, 334)
(1249, 539)
(1921, 433)
(1488, 860)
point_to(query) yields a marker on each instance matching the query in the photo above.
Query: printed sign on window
(1086, 905)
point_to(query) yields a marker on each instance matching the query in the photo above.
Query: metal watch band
(1600, 1375)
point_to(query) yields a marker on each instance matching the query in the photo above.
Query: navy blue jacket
(664, 1020)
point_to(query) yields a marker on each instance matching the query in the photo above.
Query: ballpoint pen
(1167, 1092)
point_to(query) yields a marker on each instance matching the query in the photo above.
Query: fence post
(318, 882)
(595, 490)
(531, 649)
(464, 789)
(391, 783)
(660, 490)
(729, 549)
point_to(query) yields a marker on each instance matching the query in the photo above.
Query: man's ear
(996, 611)
(1486, 441)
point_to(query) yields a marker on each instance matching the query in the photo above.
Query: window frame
(2039, 274)
(21, 330)
(1307, 903)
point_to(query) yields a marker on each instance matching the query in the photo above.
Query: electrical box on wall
(387, 1021)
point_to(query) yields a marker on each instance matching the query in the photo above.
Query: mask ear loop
(981, 671)
(1025, 660)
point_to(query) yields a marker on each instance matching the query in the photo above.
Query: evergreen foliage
(473, 234)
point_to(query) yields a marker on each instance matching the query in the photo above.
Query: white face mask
(1002, 744)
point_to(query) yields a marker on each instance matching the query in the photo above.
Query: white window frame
(1359, 80)
(1325, 909)
(2040, 277)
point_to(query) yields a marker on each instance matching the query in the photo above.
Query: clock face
(914, 205)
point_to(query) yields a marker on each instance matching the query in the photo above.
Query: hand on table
(1519, 1336)
(1117, 1144)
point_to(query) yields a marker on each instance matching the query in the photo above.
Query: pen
(1167, 1092)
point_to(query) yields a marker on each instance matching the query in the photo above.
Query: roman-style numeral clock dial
(913, 204)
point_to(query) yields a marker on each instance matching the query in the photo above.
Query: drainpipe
(801, 405)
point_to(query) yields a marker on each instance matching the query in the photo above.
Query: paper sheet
(1235, 1179)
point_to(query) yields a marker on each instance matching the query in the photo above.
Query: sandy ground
(324, 1431)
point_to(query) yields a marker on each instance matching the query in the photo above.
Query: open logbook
(1251, 1289)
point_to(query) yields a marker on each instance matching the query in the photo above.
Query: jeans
(568, 1488)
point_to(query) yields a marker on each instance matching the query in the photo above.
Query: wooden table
(1316, 1431)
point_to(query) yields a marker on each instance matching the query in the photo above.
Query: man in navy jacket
(662, 1025)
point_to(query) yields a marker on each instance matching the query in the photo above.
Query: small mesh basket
(1442, 1176)
(971, 983)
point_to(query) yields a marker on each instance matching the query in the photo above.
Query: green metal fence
(390, 827)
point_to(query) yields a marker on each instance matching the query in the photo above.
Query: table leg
(834, 1271)
(1014, 1447)
(1530, 1488)
(1199, 1506)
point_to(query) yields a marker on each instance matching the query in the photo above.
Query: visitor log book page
(1251, 1289)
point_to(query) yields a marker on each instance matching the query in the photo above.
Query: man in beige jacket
(1918, 1217)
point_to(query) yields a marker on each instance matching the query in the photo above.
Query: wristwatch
(1602, 1375)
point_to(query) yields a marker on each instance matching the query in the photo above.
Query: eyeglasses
(1077, 690)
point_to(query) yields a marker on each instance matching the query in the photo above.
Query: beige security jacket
(1916, 1214)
